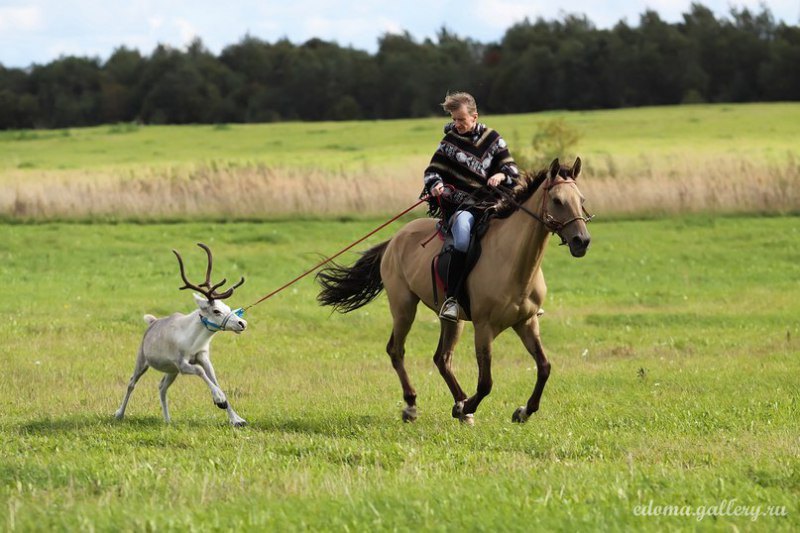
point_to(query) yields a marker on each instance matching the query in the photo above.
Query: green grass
(760, 132)
(675, 360)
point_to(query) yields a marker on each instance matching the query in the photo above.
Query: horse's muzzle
(578, 245)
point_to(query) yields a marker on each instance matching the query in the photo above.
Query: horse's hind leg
(448, 338)
(484, 335)
(529, 333)
(403, 313)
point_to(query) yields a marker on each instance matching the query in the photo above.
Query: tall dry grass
(235, 192)
(719, 186)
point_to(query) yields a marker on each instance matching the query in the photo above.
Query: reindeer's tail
(348, 288)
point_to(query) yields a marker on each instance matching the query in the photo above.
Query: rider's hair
(454, 101)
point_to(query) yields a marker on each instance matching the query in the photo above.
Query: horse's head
(562, 209)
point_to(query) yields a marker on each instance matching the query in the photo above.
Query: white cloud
(20, 18)
(390, 26)
(186, 30)
(501, 14)
(361, 32)
(155, 22)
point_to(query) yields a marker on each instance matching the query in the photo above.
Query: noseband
(211, 326)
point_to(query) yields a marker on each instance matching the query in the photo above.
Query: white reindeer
(179, 344)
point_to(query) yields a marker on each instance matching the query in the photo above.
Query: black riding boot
(455, 272)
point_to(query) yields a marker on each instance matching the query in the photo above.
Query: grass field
(763, 132)
(663, 160)
(674, 346)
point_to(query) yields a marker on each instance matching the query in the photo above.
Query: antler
(209, 291)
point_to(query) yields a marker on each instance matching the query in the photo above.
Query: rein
(334, 256)
(546, 219)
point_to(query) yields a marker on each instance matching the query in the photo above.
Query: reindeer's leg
(140, 368)
(233, 417)
(484, 335)
(448, 338)
(528, 331)
(403, 309)
(216, 393)
(166, 381)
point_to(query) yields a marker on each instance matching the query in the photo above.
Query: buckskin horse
(506, 287)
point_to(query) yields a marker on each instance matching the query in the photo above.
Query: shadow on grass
(333, 426)
(76, 423)
(338, 425)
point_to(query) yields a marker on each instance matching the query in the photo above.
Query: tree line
(540, 65)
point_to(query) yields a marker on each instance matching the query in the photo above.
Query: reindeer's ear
(555, 166)
(576, 168)
(201, 301)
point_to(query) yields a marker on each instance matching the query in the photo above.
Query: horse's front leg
(528, 331)
(484, 335)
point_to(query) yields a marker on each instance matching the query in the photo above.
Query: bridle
(547, 220)
(214, 327)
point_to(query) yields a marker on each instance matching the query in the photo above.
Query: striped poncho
(466, 162)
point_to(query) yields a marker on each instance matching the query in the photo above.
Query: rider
(470, 156)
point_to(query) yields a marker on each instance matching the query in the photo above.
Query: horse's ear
(576, 168)
(555, 166)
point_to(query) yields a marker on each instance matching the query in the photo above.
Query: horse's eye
(217, 312)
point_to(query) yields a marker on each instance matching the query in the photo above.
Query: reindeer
(179, 344)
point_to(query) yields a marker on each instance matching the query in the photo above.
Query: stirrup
(449, 310)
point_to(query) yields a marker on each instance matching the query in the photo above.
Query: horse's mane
(527, 185)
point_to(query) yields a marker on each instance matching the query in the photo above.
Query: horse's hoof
(222, 405)
(410, 414)
(458, 410)
(239, 423)
(468, 420)
(520, 415)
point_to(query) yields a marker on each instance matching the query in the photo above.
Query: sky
(39, 31)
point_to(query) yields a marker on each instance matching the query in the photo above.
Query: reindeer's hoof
(222, 405)
(239, 423)
(520, 415)
(119, 416)
(458, 410)
(410, 413)
(468, 420)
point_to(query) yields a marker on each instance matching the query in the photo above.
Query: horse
(506, 286)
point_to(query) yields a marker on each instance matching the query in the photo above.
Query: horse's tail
(348, 288)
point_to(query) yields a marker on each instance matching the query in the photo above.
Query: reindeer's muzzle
(234, 321)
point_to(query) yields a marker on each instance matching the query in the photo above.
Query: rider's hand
(496, 179)
(437, 189)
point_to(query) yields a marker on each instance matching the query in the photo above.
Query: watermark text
(721, 509)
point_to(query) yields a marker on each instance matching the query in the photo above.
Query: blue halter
(211, 326)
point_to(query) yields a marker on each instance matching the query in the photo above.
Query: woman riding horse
(506, 286)
(469, 157)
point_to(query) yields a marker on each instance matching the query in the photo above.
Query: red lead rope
(340, 252)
